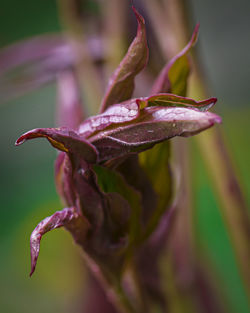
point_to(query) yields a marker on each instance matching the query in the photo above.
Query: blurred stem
(71, 17)
(132, 280)
(112, 286)
(182, 256)
(219, 165)
(225, 183)
(216, 156)
(169, 21)
(179, 20)
(69, 111)
(114, 31)
(162, 27)
(229, 196)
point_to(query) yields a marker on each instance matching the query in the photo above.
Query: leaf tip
(195, 34)
(197, 28)
(32, 270)
(19, 141)
(26, 136)
(213, 118)
(210, 103)
(34, 249)
(217, 119)
(138, 16)
(214, 100)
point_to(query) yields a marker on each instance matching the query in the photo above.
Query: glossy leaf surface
(115, 114)
(154, 125)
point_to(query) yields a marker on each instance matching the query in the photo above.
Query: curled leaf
(65, 218)
(169, 100)
(63, 139)
(173, 77)
(130, 110)
(121, 84)
(154, 125)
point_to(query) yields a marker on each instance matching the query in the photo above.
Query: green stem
(229, 196)
(224, 180)
(226, 184)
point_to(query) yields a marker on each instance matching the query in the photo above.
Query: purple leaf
(67, 217)
(129, 110)
(173, 77)
(59, 173)
(64, 179)
(117, 113)
(171, 100)
(154, 125)
(88, 194)
(108, 215)
(121, 84)
(64, 139)
(102, 210)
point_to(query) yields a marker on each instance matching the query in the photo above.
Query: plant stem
(226, 184)
(229, 196)
(70, 14)
(112, 287)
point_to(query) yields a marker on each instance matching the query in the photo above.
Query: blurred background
(27, 190)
